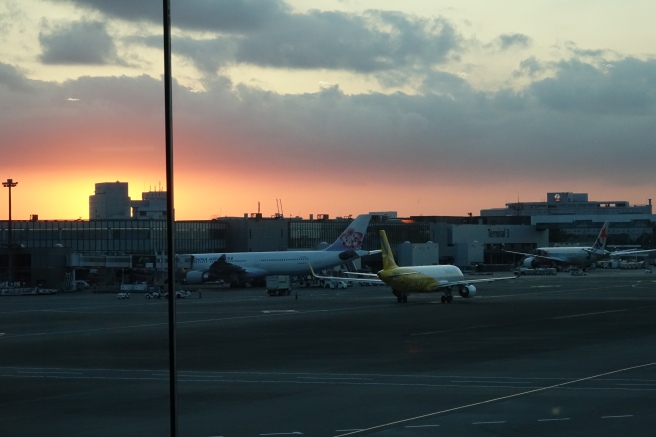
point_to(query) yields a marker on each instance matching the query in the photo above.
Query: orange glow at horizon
(63, 194)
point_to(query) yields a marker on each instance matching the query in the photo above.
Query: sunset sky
(435, 107)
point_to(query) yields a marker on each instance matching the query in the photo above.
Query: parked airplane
(581, 257)
(418, 279)
(240, 267)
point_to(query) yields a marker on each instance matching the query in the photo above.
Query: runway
(532, 356)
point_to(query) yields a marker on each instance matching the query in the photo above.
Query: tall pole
(170, 218)
(9, 184)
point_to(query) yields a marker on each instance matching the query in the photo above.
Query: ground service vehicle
(334, 283)
(81, 285)
(279, 285)
(179, 294)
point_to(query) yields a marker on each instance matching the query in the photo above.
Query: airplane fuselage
(420, 278)
(258, 264)
(571, 255)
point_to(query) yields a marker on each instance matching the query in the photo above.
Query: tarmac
(538, 356)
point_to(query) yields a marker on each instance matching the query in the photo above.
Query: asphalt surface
(539, 356)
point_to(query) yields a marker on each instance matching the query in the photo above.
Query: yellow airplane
(418, 279)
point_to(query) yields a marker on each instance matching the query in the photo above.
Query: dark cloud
(530, 67)
(375, 41)
(268, 34)
(581, 120)
(628, 87)
(81, 42)
(210, 15)
(11, 79)
(207, 55)
(508, 41)
(584, 53)
(551, 129)
(463, 134)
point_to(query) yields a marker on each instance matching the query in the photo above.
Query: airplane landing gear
(400, 296)
(447, 298)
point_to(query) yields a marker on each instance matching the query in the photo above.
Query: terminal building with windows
(573, 217)
(55, 252)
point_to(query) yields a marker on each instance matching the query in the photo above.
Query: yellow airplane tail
(388, 258)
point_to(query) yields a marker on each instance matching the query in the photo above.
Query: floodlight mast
(10, 183)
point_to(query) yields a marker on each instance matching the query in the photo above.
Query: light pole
(9, 184)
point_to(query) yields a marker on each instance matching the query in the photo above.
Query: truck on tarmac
(179, 294)
(278, 285)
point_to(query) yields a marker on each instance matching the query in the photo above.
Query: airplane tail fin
(388, 258)
(351, 238)
(600, 242)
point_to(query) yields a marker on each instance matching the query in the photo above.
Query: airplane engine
(196, 277)
(530, 263)
(467, 291)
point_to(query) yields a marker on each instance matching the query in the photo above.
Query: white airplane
(582, 257)
(239, 267)
(418, 279)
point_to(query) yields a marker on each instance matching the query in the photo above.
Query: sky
(299, 107)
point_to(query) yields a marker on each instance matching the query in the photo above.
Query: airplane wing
(221, 267)
(473, 281)
(370, 278)
(357, 275)
(533, 255)
(630, 252)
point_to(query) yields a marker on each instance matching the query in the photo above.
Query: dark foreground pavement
(532, 356)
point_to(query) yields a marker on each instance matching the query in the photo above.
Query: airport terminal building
(573, 214)
(54, 253)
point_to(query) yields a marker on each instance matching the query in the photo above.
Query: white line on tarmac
(489, 423)
(591, 314)
(334, 378)
(489, 401)
(283, 433)
(422, 426)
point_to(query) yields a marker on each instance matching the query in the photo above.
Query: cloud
(203, 15)
(80, 42)
(531, 67)
(578, 52)
(11, 79)
(10, 16)
(575, 119)
(208, 55)
(508, 41)
(373, 42)
(565, 124)
(626, 89)
(269, 34)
